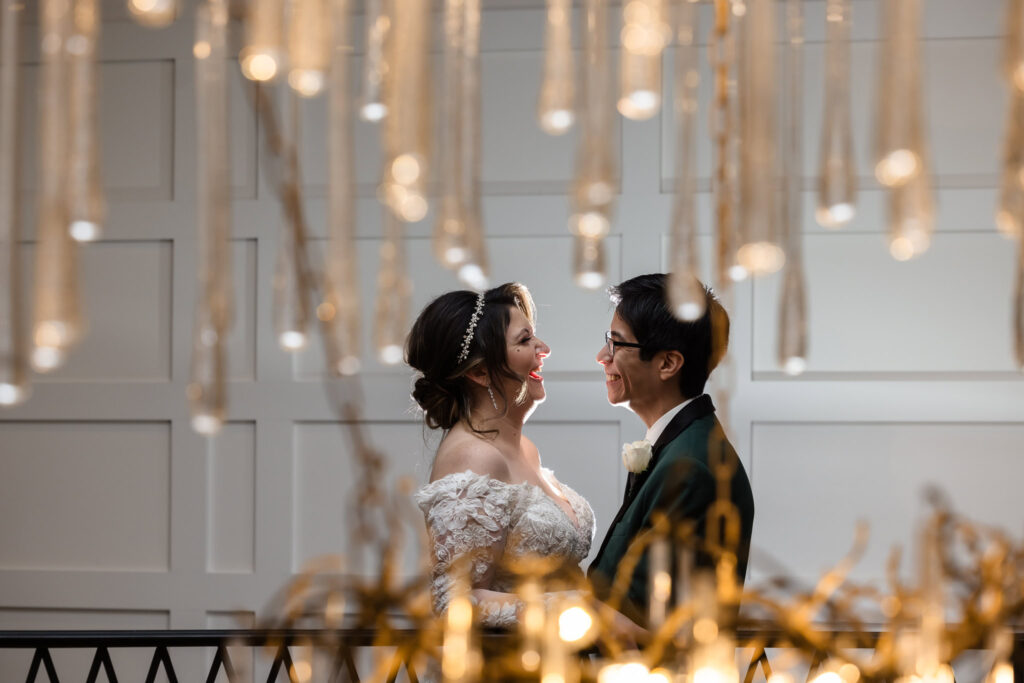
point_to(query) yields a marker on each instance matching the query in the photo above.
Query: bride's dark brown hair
(435, 341)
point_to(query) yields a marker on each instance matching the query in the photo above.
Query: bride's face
(525, 356)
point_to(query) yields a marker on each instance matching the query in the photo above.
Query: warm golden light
(306, 82)
(206, 424)
(472, 275)
(391, 354)
(556, 121)
(292, 340)
(557, 91)
(591, 224)
(258, 65)
(660, 676)
(761, 258)
(710, 674)
(47, 358)
(588, 262)
(1001, 673)
(84, 231)
(705, 630)
(849, 673)
(834, 216)
(153, 13)
(827, 677)
(639, 105)
(897, 167)
(794, 365)
(10, 394)
(574, 624)
(373, 111)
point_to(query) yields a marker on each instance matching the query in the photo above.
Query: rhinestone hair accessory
(468, 339)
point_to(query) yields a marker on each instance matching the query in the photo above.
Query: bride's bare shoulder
(461, 451)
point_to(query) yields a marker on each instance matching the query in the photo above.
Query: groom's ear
(670, 364)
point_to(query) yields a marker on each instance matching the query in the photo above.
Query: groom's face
(627, 378)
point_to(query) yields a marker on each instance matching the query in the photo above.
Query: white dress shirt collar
(655, 430)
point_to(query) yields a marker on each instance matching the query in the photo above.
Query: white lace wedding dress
(492, 522)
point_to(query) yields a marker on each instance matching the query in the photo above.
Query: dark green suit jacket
(679, 483)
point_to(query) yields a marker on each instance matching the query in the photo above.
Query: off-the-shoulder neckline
(545, 471)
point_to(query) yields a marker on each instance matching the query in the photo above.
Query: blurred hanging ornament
(14, 373)
(837, 174)
(339, 311)
(214, 312)
(555, 107)
(792, 340)
(686, 294)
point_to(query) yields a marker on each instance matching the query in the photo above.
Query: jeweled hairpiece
(468, 339)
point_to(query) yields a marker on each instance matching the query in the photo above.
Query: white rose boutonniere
(637, 455)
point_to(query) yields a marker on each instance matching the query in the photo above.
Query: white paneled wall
(114, 514)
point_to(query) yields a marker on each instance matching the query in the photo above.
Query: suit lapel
(696, 409)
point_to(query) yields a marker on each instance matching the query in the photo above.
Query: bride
(489, 500)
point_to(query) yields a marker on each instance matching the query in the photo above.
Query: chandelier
(304, 48)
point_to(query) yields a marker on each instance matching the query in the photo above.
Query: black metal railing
(346, 643)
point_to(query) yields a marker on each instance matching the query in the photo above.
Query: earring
(491, 394)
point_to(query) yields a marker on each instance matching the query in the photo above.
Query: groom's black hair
(642, 302)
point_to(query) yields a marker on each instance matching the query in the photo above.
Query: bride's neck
(509, 424)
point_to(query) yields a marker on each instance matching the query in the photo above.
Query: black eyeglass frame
(611, 343)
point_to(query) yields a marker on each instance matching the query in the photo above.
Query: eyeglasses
(612, 343)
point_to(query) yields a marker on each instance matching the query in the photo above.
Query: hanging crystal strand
(291, 312)
(153, 13)
(911, 205)
(308, 46)
(86, 205)
(450, 240)
(930, 664)
(644, 35)
(686, 295)
(403, 187)
(593, 190)
(393, 289)
(837, 176)
(660, 580)
(555, 105)
(897, 125)
(760, 251)
(1010, 213)
(1013, 48)
(261, 56)
(588, 260)
(792, 341)
(460, 658)
(57, 322)
(378, 24)
(339, 309)
(725, 71)
(473, 273)
(1018, 306)
(207, 388)
(531, 626)
(723, 48)
(14, 375)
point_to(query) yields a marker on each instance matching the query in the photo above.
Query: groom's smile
(621, 362)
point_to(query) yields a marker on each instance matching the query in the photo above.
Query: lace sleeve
(468, 516)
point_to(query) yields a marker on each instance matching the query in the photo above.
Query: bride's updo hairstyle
(436, 342)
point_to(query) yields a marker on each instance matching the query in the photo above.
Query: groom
(657, 365)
